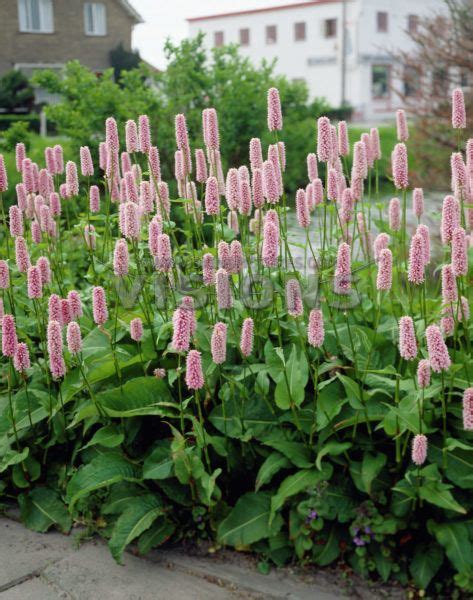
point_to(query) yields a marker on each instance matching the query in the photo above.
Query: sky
(167, 18)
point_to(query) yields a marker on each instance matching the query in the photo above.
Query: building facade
(36, 34)
(342, 49)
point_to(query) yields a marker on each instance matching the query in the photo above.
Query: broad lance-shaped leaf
(108, 437)
(455, 538)
(333, 448)
(273, 463)
(248, 522)
(12, 457)
(138, 517)
(157, 534)
(42, 508)
(437, 492)
(292, 383)
(102, 471)
(296, 483)
(158, 464)
(428, 559)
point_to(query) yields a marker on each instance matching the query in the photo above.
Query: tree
(123, 60)
(15, 91)
(442, 59)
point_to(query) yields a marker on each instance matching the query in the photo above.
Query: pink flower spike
(402, 128)
(218, 343)
(302, 210)
(294, 303)
(66, 316)
(343, 143)
(256, 154)
(324, 139)
(9, 338)
(236, 254)
(75, 304)
(136, 329)
(394, 214)
(274, 110)
(54, 308)
(4, 275)
(181, 330)
(458, 109)
(315, 329)
(99, 305)
(16, 221)
(332, 185)
(200, 166)
(312, 168)
(450, 218)
(419, 449)
(72, 181)
(247, 335)
(423, 373)
(55, 347)
(400, 166)
(416, 273)
(212, 197)
(3, 175)
(208, 269)
(224, 294)
(164, 260)
(468, 409)
(89, 237)
(459, 252)
(121, 258)
(194, 374)
(418, 202)
(270, 182)
(86, 164)
(21, 360)
(94, 199)
(258, 188)
(244, 206)
(35, 284)
(144, 134)
(74, 338)
(59, 157)
(131, 136)
(20, 155)
(210, 127)
(438, 351)
(407, 339)
(342, 281)
(21, 255)
(232, 190)
(449, 285)
(385, 270)
(270, 251)
(375, 143)
(424, 232)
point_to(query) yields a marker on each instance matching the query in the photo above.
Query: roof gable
(131, 11)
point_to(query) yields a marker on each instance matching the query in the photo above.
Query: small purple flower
(358, 541)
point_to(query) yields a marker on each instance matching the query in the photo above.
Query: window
(271, 34)
(299, 32)
(95, 18)
(244, 37)
(440, 83)
(382, 22)
(412, 23)
(412, 80)
(330, 28)
(218, 38)
(380, 75)
(36, 16)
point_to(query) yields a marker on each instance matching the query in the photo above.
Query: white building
(341, 48)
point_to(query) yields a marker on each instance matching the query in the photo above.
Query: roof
(131, 11)
(262, 10)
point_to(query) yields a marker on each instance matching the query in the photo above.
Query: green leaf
(291, 386)
(156, 535)
(12, 457)
(42, 508)
(325, 554)
(102, 471)
(437, 492)
(108, 436)
(352, 390)
(427, 560)
(333, 448)
(296, 452)
(365, 473)
(136, 519)
(459, 462)
(248, 522)
(273, 463)
(454, 537)
(158, 465)
(300, 481)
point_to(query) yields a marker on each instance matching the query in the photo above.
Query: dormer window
(36, 16)
(95, 18)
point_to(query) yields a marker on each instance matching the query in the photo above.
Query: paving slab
(33, 589)
(24, 553)
(91, 573)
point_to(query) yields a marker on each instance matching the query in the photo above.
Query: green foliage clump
(15, 91)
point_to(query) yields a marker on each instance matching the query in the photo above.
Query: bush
(18, 132)
(15, 91)
(269, 407)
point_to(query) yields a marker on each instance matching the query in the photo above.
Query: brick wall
(68, 41)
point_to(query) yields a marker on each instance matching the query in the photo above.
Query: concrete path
(52, 566)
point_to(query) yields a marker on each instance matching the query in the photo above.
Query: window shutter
(47, 19)
(22, 15)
